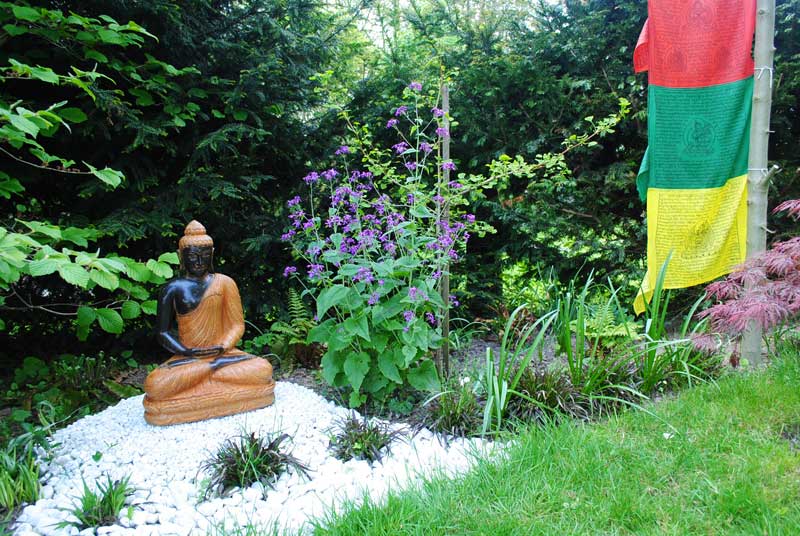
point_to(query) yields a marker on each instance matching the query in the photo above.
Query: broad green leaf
(424, 377)
(358, 326)
(410, 354)
(43, 267)
(161, 269)
(74, 275)
(149, 307)
(49, 230)
(240, 115)
(332, 364)
(379, 341)
(109, 176)
(111, 37)
(329, 297)
(76, 236)
(45, 74)
(321, 332)
(216, 113)
(131, 309)
(388, 368)
(86, 316)
(26, 13)
(13, 30)
(111, 264)
(96, 56)
(24, 124)
(356, 367)
(143, 98)
(138, 272)
(9, 187)
(109, 320)
(170, 258)
(138, 292)
(73, 115)
(104, 279)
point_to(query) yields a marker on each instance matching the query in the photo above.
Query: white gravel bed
(164, 466)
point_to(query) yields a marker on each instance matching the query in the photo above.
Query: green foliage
(68, 388)
(35, 246)
(248, 459)
(456, 410)
(102, 507)
(291, 336)
(360, 438)
(515, 354)
(19, 478)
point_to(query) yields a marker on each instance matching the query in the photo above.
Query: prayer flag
(694, 172)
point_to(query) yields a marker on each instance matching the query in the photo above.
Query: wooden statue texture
(207, 376)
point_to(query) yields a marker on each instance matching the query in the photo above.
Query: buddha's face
(197, 260)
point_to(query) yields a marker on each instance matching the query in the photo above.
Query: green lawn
(710, 461)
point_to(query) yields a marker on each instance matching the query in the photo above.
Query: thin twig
(44, 167)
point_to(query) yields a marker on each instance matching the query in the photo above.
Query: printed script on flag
(694, 173)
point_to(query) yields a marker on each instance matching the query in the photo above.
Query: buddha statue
(207, 376)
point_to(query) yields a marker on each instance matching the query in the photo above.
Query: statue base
(207, 401)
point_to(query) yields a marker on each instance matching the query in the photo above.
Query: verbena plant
(101, 507)
(373, 243)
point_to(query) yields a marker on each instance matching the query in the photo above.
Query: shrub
(243, 461)
(764, 290)
(361, 439)
(96, 509)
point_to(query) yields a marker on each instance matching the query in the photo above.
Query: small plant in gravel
(553, 395)
(361, 439)
(457, 410)
(101, 507)
(247, 459)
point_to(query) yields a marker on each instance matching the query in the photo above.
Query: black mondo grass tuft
(241, 462)
(361, 439)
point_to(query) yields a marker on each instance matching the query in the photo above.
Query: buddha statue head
(196, 250)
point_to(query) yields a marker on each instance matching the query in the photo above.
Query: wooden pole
(444, 289)
(758, 174)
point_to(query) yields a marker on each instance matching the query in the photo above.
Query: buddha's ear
(211, 268)
(180, 261)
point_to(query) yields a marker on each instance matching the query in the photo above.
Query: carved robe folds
(186, 389)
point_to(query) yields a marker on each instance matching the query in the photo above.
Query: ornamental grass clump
(247, 459)
(372, 239)
(102, 507)
(457, 410)
(361, 438)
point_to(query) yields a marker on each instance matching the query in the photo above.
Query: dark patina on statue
(200, 321)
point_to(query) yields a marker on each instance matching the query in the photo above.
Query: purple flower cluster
(416, 86)
(401, 147)
(344, 149)
(437, 112)
(401, 110)
(391, 123)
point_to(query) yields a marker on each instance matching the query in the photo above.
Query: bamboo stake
(444, 288)
(757, 174)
